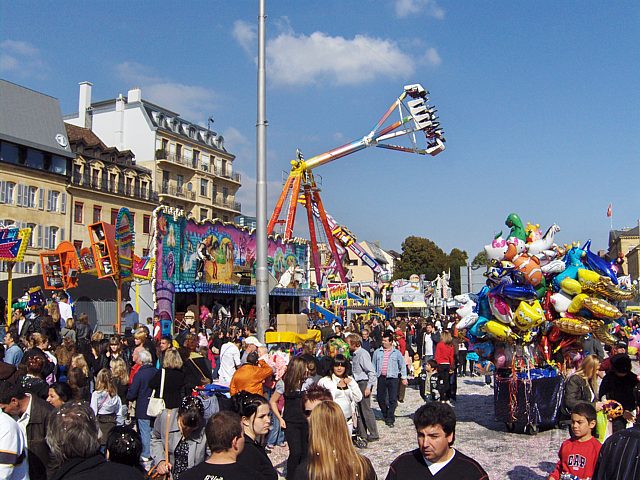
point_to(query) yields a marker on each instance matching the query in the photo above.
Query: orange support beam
(317, 264)
(293, 205)
(276, 212)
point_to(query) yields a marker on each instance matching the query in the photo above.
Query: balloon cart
(528, 401)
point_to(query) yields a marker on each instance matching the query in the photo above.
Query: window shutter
(39, 242)
(46, 238)
(3, 192)
(20, 188)
(41, 198)
(61, 235)
(63, 203)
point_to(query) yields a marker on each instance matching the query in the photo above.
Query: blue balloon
(474, 332)
(514, 291)
(597, 264)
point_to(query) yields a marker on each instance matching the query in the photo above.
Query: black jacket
(174, 386)
(38, 450)
(140, 391)
(435, 338)
(619, 389)
(619, 456)
(95, 468)
(255, 457)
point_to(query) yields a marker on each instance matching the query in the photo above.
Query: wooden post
(118, 304)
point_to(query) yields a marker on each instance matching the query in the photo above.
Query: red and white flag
(610, 211)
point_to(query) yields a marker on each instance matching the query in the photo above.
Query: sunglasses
(340, 364)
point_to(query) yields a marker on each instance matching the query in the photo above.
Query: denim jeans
(276, 435)
(387, 396)
(144, 428)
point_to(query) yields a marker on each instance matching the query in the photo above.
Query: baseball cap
(253, 341)
(621, 344)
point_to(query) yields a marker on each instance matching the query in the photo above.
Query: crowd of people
(79, 404)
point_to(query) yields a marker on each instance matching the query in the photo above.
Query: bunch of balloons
(541, 297)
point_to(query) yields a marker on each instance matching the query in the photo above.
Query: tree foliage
(423, 256)
(480, 260)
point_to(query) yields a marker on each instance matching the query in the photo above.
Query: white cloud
(21, 59)
(319, 58)
(432, 57)
(247, 194)
(404, 8)
(192, 102)
(246, 35)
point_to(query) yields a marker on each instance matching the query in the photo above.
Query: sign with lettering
(336, 292)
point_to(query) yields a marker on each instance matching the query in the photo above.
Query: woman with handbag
(174, 383)
(178, 440)
(197, 369)
(106, 404)
(140, 392)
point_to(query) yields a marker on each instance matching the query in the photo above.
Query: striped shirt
(385, 361)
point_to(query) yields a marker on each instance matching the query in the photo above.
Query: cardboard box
(296, 323)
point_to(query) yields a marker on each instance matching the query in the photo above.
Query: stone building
(35, 166)
(627, 242)
(103, 180)
(187, 162)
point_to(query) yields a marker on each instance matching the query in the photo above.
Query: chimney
(84, 104)
(134, 95)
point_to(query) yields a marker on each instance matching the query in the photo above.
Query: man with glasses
(390, 369)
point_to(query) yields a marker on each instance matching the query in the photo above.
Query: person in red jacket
(446, 362)
(578, 455)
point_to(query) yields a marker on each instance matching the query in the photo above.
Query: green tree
(457, 258)
(420, 256)
(480, 260)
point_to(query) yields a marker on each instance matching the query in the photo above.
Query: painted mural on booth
(214, 252)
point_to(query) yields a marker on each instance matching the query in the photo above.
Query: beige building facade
(626, 242)
(103, 180)
(35, 164)
(188, 163)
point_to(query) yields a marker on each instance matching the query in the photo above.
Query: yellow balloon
(498, 330)
(571, 286)
(528, 315)
(585, 276)
(577, 303)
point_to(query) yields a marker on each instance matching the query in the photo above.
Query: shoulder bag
(153, 473)
(156, 404)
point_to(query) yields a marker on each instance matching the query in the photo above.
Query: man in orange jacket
(250, 376)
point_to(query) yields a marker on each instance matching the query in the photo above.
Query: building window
(32, 226)
(31, 197)
(114, 215)
(225, 218)
(95, 177)
(52, 200)
(29, 267)
(77, 212)
(196, 158)
(204, 187)
(178, 151)
(113, 187)
(97, 213)
(204, 213)
(146, 223)
(10, 189)
(180, 181)
(128, 185)
(53, 237)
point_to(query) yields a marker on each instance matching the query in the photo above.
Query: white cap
(253, 341)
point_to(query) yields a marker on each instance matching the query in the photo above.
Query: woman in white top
(106, 404)
(343, 388)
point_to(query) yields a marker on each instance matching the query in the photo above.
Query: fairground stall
(211, 265)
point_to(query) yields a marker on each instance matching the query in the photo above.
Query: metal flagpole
(262, 274)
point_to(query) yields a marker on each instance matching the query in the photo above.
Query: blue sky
(539, 100)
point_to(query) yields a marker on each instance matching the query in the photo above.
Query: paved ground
(505, 456)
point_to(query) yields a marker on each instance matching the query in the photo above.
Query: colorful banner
(143, 267)
(13, 243)
(407, 292)
(336, 292)
(125, 239)
(190, 253)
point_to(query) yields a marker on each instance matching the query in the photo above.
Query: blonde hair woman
(174, 381)
(332, 455)
(78, 361)
(106, 404)
(582, 386)
(120, 375)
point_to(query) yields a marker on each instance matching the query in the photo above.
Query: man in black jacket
(32, 413)
(435, 456)
(619, 457)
